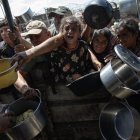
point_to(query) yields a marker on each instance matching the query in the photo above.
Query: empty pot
(119, 121)
(98, 14)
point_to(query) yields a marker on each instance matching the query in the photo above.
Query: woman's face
(126, 38)
(100, 44)
(4, 31)
(71, 33)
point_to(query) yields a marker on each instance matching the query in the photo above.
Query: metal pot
(119, 121)
(8, 75)
(119, 79)
(129, 8)
(98, 14)
(32, 126)
(25, 16)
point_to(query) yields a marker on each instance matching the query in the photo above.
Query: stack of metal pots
(120, 77)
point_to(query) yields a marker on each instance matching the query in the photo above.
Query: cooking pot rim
(123, 53)
(10, 69)
(109, 64)
(126, 106)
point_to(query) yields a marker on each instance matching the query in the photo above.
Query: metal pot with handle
(98, 14)
(119, 79)
(120, 76)
(119, 121)
(32, 125)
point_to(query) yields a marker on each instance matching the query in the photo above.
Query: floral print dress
(65, 64)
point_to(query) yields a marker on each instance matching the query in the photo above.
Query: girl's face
(126, 38)
(71, 33)
(100, 44)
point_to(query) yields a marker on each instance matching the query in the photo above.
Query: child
(72, 60)
(101, 44)
(128, 34)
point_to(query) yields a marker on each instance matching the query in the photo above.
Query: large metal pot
(119, 79)
(98, 13)
(33, 125)
(119, 121)
(8, 75)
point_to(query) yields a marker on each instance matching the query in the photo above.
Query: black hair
(5, 23)
(105, 32)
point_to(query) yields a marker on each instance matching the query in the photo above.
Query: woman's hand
(19, 48)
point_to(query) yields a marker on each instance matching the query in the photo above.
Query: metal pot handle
(39, 94)
(131, 90)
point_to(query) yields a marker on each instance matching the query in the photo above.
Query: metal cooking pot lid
(127, 57)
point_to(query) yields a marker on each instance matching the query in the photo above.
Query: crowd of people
(63, 52)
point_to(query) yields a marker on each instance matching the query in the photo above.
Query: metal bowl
(33, 125)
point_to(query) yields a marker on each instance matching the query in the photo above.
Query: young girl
(101, 44)
(128, 34)
(72, 60)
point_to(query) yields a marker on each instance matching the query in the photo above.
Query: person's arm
(20, 84)
(45, 47)
(97, 64)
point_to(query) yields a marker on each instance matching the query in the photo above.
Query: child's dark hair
(130, 24)
(3, 23)
(105, 32)
(70, 19)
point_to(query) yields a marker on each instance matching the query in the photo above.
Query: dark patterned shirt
(64, 64)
